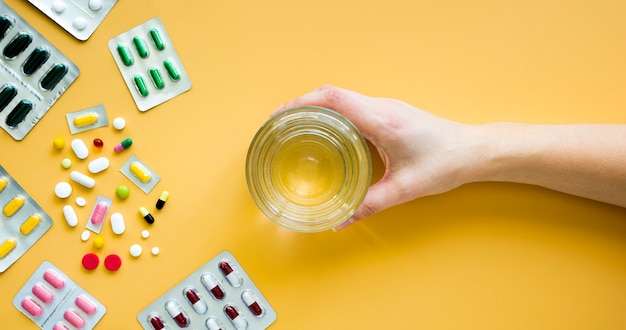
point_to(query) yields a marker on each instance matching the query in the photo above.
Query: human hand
(423, 154)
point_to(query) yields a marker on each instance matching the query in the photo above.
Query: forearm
(584, 160)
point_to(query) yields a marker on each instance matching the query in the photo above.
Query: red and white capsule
(232, 275)
(238, 320)
(156, 322)
(212, 285)
(198, 304)
(252, 301)
(214, 324)
(177, 313)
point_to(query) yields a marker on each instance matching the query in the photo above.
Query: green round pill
(66, 163)
(122, 191)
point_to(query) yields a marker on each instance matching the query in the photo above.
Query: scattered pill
(90, 261)
(155, 250)
(135, 250)
(30, 224)
(117, 223)
(145, 233)
(82, 179)
(162, 199)
(85, 235)
(233, 314)
(212, 285)
(123, 145)
(7, 246)
(251, 300)
(13, 206)
(63, 190)
(80, 148)
(58, 143)
(119, 123)
(85, 119)
(98, 242)
(98, 143)
(140, 172)
(99, 211)
(42, 293)
(66, 163)
(81, 201)
(74, 318)
(198, 304)
(32, 307)
(122, 191)
(70, 215)
(233, 276)
(112, 262)
(85, 304)
(177, 313)
(54, 279)
(146, 215)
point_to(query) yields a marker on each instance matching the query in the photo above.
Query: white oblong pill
(117, 223)
(82, 179)
(70, 215)
(80, 148)
(63, 189)
(85, 235)
(98, 165)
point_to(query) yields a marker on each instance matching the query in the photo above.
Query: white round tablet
(155, 250)
(80, 23)
(81, 201)
(135, 250)
(119, 123)
(63, 189)
(95, 5)
(85, 235)
(58, 6)
(145, 233)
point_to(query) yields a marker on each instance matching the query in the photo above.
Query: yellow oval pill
(30, 224)
(140, 172)
(13, 206)
(6, 247)
(86, 119)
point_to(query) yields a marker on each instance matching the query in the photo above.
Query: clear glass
(308, 169)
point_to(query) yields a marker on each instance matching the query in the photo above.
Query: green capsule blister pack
(33, 74)
(149, 64)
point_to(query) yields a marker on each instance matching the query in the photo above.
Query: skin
(425, 154)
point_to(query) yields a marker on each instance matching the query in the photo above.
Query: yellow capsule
(30, 224)
(140, 172)
(13, 206)
(3, 184)
(86, 119)
(6, 247)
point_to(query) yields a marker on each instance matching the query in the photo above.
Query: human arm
(425, 154)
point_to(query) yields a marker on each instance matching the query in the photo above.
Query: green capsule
(141, 85)
(53, 76)
(125, 55)
(157, 78)
(171, 70)
(5, 25)
(7, 95)
(17, 45)
(141, 47)
(156, 39)
(18, 114)
(126, 143)
(35, 60)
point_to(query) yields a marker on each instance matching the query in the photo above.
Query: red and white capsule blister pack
(22, 221)
(53, 301)
(218, 295)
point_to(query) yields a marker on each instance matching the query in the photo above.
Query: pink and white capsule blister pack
(22, 221)
(78, 17)
(219, 295)
(53, 301)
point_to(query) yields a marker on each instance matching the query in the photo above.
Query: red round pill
(98, 143)
(112, 262)
(90, 261)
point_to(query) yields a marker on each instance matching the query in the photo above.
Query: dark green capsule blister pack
(34, 74)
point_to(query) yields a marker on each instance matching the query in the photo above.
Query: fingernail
(278, 109)
(344, 224)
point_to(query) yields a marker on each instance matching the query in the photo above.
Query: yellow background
(484, 256)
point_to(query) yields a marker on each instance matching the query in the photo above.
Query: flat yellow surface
(485, 256)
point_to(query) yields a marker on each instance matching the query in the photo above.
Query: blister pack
(79, 18)
(22, 221)
(149, 64)
(140, 174)
(87, 119)
(33, 74)
(218, 295)
(53, 301)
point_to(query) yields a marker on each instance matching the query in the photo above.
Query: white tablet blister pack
(33, 74)
(22, 221)
(149, 64)
(53, 301)
(219, 295)
(78, 17)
